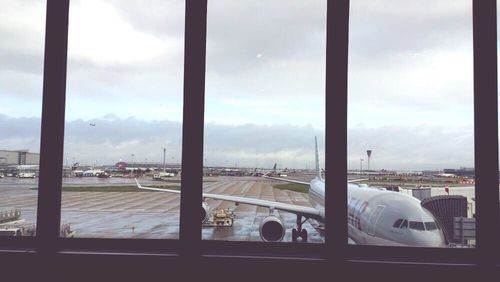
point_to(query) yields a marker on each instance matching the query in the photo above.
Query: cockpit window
(430, 225)
(397, 223)
(404, 224)
(417, 225)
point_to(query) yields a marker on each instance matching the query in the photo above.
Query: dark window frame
(335, 248)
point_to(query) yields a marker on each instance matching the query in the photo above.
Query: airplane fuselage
(380, 217)
(317, 195)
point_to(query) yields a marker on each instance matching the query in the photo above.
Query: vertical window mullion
(193, 122)
(336, 129)
(52, 133)
(485, 127)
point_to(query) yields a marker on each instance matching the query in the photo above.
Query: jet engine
(272, 229)
(205, 211)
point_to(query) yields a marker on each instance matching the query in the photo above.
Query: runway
(156, 215)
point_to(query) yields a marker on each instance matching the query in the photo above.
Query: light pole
(133, 169)
(164, 153)
(360, 166)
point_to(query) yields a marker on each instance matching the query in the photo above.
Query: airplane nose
(430, 239)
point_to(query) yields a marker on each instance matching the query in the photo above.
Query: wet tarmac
(155, 215)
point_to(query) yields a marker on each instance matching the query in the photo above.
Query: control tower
(369, 154)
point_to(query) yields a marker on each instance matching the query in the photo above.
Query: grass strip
(293, 187)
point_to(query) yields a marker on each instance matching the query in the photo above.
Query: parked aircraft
(375, 216)
(276, 172)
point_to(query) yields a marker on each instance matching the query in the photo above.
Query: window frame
(485, 159)
(335, 249)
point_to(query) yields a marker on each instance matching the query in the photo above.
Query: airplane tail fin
(318, 170)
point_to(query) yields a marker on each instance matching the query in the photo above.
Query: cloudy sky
(410, 81)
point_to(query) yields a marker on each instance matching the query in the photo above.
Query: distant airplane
(275, 172)
(375, 216)
(92, 124)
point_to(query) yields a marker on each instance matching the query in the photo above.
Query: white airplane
(276, 172)
(375, 216)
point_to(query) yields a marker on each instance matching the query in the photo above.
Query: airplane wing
(156, 189)
(295, 209)
(356, 180)
(287, 180)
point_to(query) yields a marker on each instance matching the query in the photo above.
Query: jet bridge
(445, 209)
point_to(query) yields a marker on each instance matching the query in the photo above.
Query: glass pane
(123, 119)
(265, 101)
(22, 37)
(411, 122)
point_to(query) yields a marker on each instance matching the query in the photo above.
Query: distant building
(430, 172)
(121, 165)
(463, 171)
(18, 157)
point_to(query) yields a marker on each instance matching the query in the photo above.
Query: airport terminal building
(18, 157)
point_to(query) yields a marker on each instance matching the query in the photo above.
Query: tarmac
(156, 215)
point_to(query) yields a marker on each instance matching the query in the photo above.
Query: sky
(410, 81)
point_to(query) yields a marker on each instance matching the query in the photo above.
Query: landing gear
(303, 234)
(295, 235)
(299, 232)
